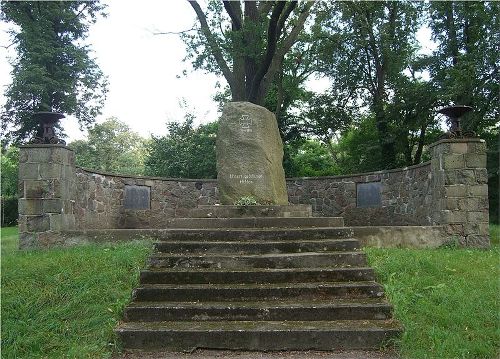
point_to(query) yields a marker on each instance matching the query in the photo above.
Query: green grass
(64, 303)
(447, 300)
(495, 234)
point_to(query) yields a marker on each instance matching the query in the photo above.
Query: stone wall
(47, 185)
(460, 190)
(100, 200)
(405, 196)
(450, 191)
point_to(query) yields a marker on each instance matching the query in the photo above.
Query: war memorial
(284, 273)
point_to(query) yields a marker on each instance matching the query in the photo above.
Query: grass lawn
(64, 303)
(447, 299)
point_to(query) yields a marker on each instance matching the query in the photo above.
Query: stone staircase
(263, 283)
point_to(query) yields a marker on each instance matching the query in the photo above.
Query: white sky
(142, 68)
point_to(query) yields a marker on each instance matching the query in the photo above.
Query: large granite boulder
(250, 155)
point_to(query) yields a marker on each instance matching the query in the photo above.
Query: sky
(146, 85)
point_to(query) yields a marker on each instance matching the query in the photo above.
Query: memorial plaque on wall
(368, 195)
(137, 197)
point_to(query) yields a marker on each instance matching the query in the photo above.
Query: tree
(53, 70)
(246, 43)
(365, 48)
(9, 186)
(111, 147)
(186, 152)
(464, 66)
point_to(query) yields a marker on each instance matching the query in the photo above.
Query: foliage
(9, 171)
(311, 159)
(9, 186)
(464, 66)
(446, 299)
(186, 152)
(53, 70)
(112, 147)
(9, 210)
(246, 42)
(246, 201)
(365, 47)
(56, 305)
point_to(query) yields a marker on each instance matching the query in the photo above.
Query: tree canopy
(111, 147)
(53, 70)
(246, 42)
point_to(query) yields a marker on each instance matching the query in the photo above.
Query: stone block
(22, 223)
(477, 147)
(458, 190)
(475, 160)
(28, 240)
(459, 176)
(460, 147)
(478, 241)
(478, 190)
(36, 189)
(55, 222)
(481, 175)
(477, 217)
(51, 170)
(28, 171)
(454, 216)
(37, 223)
(453, 161)
(30, 206)
(455, 229)
(52, 205)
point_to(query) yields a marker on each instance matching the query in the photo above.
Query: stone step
(294, 275)
(258, 335)
(254, 247)
(255, 222)
(367, 309)
(227, 211)
(235, 234)
(237, 261)
(274, 291)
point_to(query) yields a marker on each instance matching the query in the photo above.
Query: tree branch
(287, 44)
(234, 14)
(264, 7)
(270, 51)
(291, 5)
(215, 49)
(172, 32)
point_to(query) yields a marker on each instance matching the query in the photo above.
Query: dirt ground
(225, 354)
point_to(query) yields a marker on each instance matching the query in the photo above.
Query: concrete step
(258, 335)
(367, 309)
(237, 261)
(274, 291)
(263, 275)
(226, 211)
(255, 222)
(254, 247)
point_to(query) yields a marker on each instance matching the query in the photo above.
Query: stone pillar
(47, 183)
(460, 190)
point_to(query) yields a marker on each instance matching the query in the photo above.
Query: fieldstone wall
(405, 197)
(450, 191)
(100, 200)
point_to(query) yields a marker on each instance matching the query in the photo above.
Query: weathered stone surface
(250, 155)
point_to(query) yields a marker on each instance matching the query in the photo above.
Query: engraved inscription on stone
(246, 123)
(368, 195)
(137, 197)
